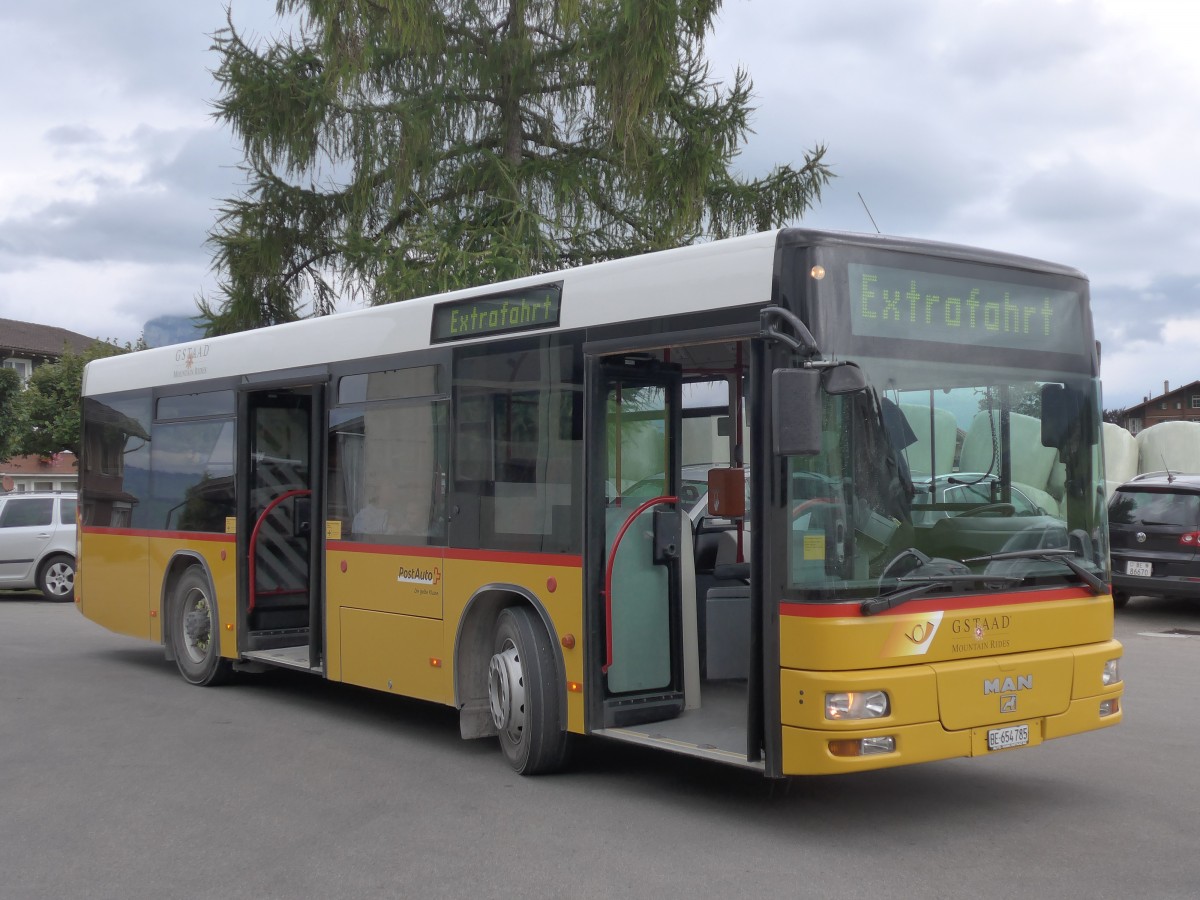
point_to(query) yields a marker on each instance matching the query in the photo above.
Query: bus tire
(56, 578)
(194, 631)
(523, 694)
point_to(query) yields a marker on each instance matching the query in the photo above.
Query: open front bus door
(279, 539)
(636, 455)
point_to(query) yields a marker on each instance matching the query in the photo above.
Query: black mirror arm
(803, 339)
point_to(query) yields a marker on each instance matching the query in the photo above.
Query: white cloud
(1062, 129)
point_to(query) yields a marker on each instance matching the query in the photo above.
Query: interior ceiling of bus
(720, 358)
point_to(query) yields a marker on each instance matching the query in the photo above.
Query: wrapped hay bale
(1170, 446)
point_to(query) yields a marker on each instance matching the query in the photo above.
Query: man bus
(800, 502)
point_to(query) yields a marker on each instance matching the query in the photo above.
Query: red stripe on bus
(150, 533)
(498, 556)
(569, 561)
(978, 601)
(384, 549)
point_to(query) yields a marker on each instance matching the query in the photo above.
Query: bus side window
(387, 460)
(518, 452)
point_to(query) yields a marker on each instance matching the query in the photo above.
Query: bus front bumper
(824, 752)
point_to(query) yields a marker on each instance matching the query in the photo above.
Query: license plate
(1141, 569)
(1006, 738)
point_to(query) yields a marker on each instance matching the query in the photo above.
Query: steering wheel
(800, 508)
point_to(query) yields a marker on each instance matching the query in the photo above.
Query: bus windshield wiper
(912, 588)
(1064, 556)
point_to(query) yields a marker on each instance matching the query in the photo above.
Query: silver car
(37, 543)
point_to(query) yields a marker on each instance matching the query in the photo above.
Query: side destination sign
(536, 307)
(950, 309)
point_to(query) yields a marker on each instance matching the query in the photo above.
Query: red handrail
(286, 495)
(608, 571)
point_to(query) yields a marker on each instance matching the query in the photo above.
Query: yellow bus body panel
(559, 589)
(124, 592)
(951, 676)
(391, 612)
(219, 555)
(116, 593)
(394, 653)
(909, 634)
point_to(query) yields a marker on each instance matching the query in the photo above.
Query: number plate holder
(1140, 569)
(1008, 738)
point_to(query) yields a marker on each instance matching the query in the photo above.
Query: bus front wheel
(523, 694)
(193, 631)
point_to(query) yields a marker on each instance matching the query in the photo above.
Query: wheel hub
(197, 628)
(506, 693)
(60, 579)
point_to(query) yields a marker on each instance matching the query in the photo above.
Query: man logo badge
(1008, 703)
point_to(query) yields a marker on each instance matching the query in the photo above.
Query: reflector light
(870, 746)
(873, 745)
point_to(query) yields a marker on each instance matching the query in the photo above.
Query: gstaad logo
(419, 576)
(188, 359)
(979, 626)
(996, 686)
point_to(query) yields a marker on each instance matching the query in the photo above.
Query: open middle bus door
(636, 452)
(279, 539)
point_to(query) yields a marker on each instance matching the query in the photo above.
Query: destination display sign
(912, 305)
(536, 307)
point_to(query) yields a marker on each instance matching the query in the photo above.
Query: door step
(286, 658)
(687, 748)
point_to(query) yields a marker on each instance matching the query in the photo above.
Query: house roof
(64, 463)
(1154, 401)
(46, 340)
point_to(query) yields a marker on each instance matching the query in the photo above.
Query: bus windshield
(972, 462)
(938, 475)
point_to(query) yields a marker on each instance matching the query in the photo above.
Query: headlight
(857, 705)
(1112, 671)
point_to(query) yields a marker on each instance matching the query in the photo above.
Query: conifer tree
(396, 148)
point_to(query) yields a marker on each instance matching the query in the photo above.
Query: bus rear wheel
(523, 694)
(194, 633)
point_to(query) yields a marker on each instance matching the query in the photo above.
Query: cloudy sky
(1063, 129)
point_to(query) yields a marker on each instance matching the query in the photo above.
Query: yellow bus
(800, 502)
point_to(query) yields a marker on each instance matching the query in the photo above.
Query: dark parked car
(1154, 529)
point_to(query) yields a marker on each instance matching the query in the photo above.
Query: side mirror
(795, 411)
(844, 379)
(796, 404)
(1063, 411)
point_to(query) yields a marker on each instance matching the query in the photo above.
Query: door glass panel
(637, 455)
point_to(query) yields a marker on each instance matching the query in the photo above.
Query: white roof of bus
(720, 274)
